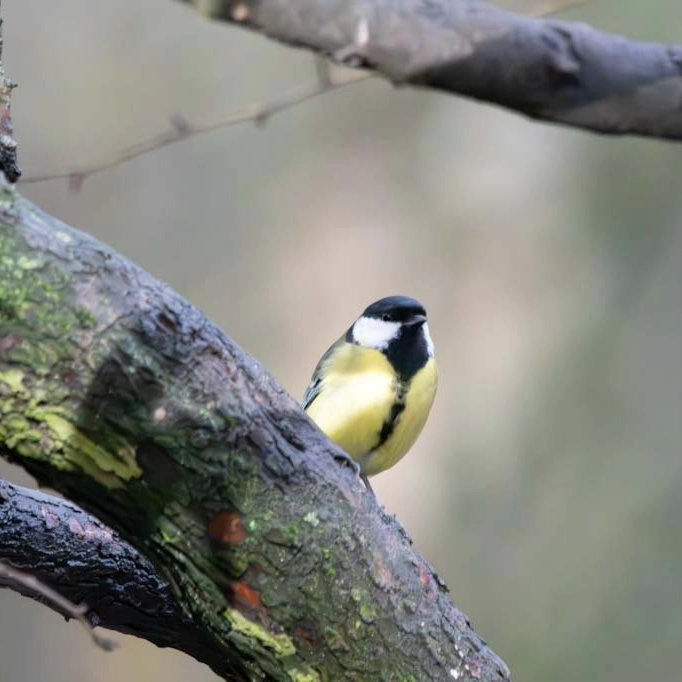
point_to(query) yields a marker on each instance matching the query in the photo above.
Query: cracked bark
(79, 557)
(558, 71)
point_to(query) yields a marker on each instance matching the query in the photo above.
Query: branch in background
(73, 559)
(556, 71)
(119, 394)
(182, 130)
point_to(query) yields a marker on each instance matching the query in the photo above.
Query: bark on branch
(118, 393)
(81, 559)
(557, 71)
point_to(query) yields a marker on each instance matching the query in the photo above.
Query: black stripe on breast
(392, 420)
(390, 423)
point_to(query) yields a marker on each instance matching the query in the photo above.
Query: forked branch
(57, 554)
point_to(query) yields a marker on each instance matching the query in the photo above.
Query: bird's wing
(315, 385)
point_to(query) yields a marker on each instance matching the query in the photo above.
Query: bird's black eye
(386, 317)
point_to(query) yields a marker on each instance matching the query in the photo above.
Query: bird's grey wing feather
(315, 385)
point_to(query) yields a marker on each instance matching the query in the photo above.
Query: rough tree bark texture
(118, 393)
(557, 71)
(80, 558)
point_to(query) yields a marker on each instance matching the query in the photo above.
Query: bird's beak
(415, 321)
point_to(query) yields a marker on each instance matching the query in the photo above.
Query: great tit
(372, 390)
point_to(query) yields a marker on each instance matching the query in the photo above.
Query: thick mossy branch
(121, 395)
(557, 71)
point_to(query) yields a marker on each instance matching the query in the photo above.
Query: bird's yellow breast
(358, 394)
(418, 400)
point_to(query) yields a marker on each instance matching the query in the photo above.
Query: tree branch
(556, 71)
(84, 562)
(31, 586)
(180, 129)
(118, 393)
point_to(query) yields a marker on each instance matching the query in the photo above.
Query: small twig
(181, 129)
(20, 579)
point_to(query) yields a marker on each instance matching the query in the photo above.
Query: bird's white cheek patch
(427, 337)
(373, 333)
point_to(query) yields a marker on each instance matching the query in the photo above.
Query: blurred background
(546, 486)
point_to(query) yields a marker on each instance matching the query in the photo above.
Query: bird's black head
(396, 326)
(396, 309)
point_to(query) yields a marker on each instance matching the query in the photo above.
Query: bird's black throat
(408, 352)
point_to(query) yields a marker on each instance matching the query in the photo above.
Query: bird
(372, 391)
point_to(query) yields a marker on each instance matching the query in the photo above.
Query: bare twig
(181, 129)
(24, 582)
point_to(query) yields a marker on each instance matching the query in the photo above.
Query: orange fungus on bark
(228, 529)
